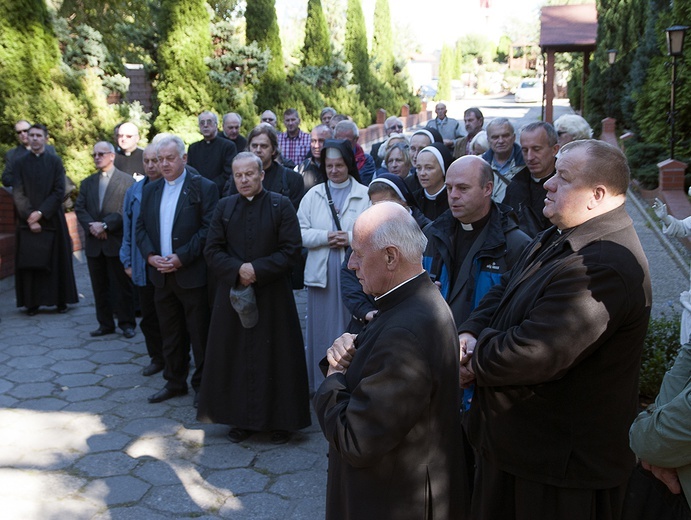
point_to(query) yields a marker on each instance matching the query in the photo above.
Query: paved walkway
(78, 439)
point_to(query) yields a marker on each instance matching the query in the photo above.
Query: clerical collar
(478, 224)
(343, 184)
(108, 172)
(179, 180)
(435, 195)
(399, 285)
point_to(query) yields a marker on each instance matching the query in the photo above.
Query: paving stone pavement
(78, 440)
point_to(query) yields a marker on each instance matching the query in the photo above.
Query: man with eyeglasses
(21, 128)
(99, 212)
(129, 157)
(212, 156)
(269, 117)
(391, 125)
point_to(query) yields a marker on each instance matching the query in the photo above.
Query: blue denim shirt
(130, 255)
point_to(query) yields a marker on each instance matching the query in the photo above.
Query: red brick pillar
(671, 174)
(381, 116)
(609, 131)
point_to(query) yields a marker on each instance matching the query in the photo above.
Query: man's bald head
(387, 247)
(128, 137)
(469, 183)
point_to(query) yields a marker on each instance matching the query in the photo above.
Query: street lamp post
(675, 49)
(611, 59)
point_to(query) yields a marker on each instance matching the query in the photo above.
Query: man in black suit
(171, 234)
(213, 155)
(99, 211)
(231, 130)
(389, 404)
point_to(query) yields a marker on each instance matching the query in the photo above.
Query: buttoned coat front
(392, 421)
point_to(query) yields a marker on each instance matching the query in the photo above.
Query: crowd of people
(476, 300)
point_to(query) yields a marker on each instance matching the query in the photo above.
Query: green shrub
(643, 159)
(659, 352)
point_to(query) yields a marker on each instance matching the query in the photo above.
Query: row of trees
(61, 61)
(636, 89)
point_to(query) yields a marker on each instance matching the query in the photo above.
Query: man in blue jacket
(135, 265)
(475, 241)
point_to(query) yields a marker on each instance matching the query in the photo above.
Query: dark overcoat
(557, 358)
(39, 185)
(255, 378)
(392, 421)
(193, 213)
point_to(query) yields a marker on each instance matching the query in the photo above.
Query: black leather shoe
(196, 399)
(238, 434)
(153, 368)
(128, 332)
(166, 394)
(62, 309)
(101, 331)
(280, 436)
(32, 311)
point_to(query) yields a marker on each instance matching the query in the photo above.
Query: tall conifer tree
(317, 49)
(356, 42)
(184, 88)
(382, 40)
(262, 27)
(34, 87)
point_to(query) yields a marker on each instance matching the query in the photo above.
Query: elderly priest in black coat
(389, 406)
(255, 375)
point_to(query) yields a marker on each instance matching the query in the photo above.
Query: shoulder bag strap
(331, 205)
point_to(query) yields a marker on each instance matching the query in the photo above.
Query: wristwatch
(105, 226)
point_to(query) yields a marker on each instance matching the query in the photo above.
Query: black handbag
(34, 250)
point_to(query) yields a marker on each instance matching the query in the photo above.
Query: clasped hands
(165, 264)
(467, 346)
(96, 229)
(668, 476)
(338, 239)
(340, 354)
(33, 219)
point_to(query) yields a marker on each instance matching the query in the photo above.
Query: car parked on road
(529, 91)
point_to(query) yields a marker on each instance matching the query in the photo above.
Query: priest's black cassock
(39, 185)
(255, 378)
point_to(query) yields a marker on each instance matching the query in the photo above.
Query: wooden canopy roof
(568, 28)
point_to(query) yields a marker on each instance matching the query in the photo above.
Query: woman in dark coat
(43, 274)
(254, 378)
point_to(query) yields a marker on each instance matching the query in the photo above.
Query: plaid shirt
(294, 148)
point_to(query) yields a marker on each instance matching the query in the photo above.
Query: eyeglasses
(267, 120)
(397, 127)
(99, 154)
(206, 122)
(19, 132)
